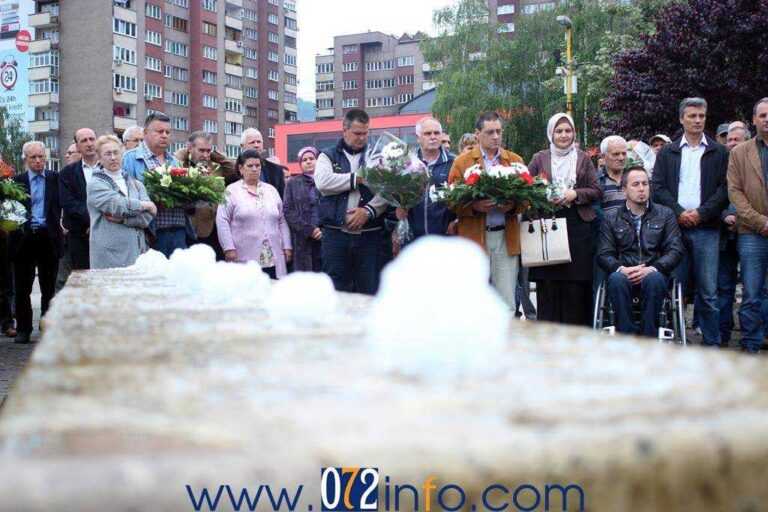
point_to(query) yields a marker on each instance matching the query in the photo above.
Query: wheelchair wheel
(678, 311)
(598, 316)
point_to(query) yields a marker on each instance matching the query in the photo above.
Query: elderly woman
(119, 208)
(564, 292)
(251, 224)
(301, 197)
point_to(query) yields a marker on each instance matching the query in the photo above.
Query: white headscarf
(563, 160)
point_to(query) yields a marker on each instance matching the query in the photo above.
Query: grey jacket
(116, 244)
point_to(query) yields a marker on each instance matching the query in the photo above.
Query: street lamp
(566, 22)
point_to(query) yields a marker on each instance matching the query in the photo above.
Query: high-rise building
(373, 71)
(214, 65)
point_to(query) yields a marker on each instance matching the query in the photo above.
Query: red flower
(473, 178)
(527, 178)
(178, 171)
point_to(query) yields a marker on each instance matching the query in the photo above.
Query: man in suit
(690, 178)
(36, 246)
(747, 180)
(73, 180)
(271, 172)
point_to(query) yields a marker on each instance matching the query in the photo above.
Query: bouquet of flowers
(12, 212)
(181, 187)
(502, 184)
(398, 176)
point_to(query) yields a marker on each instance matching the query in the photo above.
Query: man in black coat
(36, 246)
(690, 178)
(73, 182)
(271, 172)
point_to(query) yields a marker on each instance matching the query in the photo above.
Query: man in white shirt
(350, 213)
(690, 178)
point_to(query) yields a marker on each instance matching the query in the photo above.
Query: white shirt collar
(684, 141)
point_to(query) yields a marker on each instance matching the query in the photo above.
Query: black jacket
(17, 239)
(660, 244)
(274, 175)
(714, 185)
(73, 199)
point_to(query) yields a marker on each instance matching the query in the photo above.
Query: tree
(716, 49)
(12, 139)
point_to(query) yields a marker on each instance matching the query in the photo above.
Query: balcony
(231, 69)
(233, 140)
(44, 73)
(230, 92)
(43, 19)
(233, 46)
(40, 46)
(123, 123)
(326, 113)
(37, 127)
(235, 3)
(123, 96)
(232, 22)
(44, 99)
(291, 107)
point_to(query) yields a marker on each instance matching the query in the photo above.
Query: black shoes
(22, 338)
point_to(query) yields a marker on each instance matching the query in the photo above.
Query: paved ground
(14, 357)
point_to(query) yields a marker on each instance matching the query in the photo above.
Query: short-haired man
(639, 247)
(690, 178)
(658, 141)
(271, 173)
(72, 155)
(722, 133)
(350, 213)
(73, 182)
(199, 152)
(431, 217)
(747, 189)
(132, 137)
(171, 225)
(737, 133)
(494, 227)
(35, 247)
(445, 141)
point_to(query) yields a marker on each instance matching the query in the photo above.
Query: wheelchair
(672, 316)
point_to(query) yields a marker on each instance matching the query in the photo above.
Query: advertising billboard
(15, 36)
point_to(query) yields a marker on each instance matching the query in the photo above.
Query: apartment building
(372, 70)
(214, 65)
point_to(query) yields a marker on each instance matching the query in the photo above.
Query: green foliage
(12, 139)
(478, 69)
(172, 189)
(9, 189)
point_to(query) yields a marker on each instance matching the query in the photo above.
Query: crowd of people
(693, 209)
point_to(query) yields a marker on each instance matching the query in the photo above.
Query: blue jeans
(726, 288)
(703, 255)
(653, 289)
(352, 261)
(753, 254)
(170, 239)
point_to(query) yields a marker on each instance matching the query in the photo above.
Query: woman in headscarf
(564, 292)
(301, 213)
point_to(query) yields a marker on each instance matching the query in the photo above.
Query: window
(209, 29)
(350, 84)
(272, 19)
(273, 38)
(233, 81)
(231, 128)
(249, 15)
(273, 75)
(325, 68)
(251, 92)
(152, 11)
(233, 150)
(210, 101)
(534, 8)
(43, 86)
(177, 98)
(324, 103)
(50, 58)
(273, 95)
(405, 79)
(180, 123)
(272, 114)
(123, 27)
(273, 57)
(152, 90)
(351, 66)
(405, 61)
(290, 24)
(209, 52)
(505, 9)
(252, 73)
(271, 135)
(180, 3)
(290, 42)
(153, 64)
(374, 65)
(290, 79)
(176, 48)
(210, 126)
(505, 28)
(176, 73)
(251, 33)
(152, 37)
(175, 23)
(404, 98)
(350, 103)
(176, 146)
(250, 53)
(233, 105)
(251, 111)
(289, 97)
(209, 77)
(289, 59)
(381, 83)
(324, 86)
(124, 83)
(348, 49)
(209, 5)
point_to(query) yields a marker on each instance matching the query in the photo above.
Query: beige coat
(746, 187)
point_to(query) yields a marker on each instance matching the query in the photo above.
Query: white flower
(475, 169)
(517, 168)
(162, 169)
(434, 194)
(166, 180)
(13, 211)
(393, 151)
(500, 171)
(194, 172)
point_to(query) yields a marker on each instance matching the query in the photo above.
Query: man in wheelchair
(639, 247)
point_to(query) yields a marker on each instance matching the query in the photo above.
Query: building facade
(373, 71)
(214, 65)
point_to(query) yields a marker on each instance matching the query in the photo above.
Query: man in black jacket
(690, 178)
(73, 182)
(640, 246)
(36, 246)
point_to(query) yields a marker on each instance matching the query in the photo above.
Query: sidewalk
(13, 357)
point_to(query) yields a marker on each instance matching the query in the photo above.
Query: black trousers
(6, 285)
(37, 254)
(79, 251)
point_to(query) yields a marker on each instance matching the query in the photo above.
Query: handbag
(544, 242)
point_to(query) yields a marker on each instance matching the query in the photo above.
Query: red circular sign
(22, 40)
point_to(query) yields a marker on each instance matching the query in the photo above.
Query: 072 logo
(349, 489)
